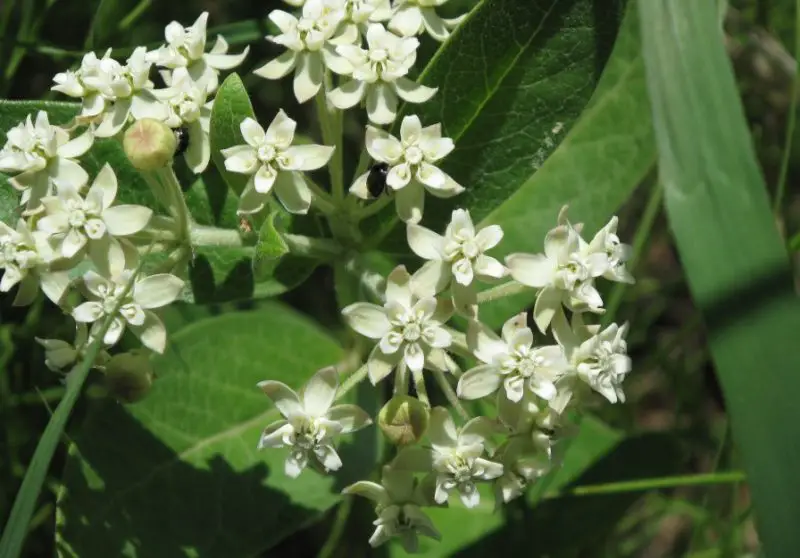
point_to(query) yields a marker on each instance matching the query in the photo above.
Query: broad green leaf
(735, 261)
(178, 473)
(512, 81)
(231, 106)
(211, 202)
(271, 246)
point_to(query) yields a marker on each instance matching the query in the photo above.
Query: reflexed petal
(398, 176)
(367, 489)
(479, 382)
(424, 242)
(442, 430)
(533, 270)
(381, 104)
(113, 122)
(220, 61)
(448, 190)
(54, 285)
(410, 203)
(381, 365)
(367, 319)
(489, 267)
(434, 25)
(241, 159)
(53, 224)
(431, 278)
(66, 172)
(484, 343)
(114, 332)
(382, 146)
(104, 187)
(489, 237)
(88, 312)
(252, 132)
(294, 465)
(349, 417)
(335, 63)
(469, 494)
(435, 149)
(548, 302)
(293, 192)
(280, 131)
(320, 391)
(77, 146)
(198, 154)
(359, 187)
(279, 67)
(307, 76)
(413, 92)
(157, 290)
(273, 434)
(122, 220)
(251, 201)
(398, 287)
(347, 95)
(284, 397)
(264, 179)
(308, 157)
(283, 20)
(414, 357)
(438, 337)
(73, 242)
(27, 291)
(328, 457)
(407, 20)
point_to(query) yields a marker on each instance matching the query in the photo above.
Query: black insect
(376, 179)
(182, 136)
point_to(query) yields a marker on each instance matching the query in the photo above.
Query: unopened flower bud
(404, 420)
(149, 144)
(129, 376)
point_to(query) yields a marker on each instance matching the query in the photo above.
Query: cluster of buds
(73, 240)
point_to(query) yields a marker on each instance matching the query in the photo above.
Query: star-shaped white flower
(607, 242)
(378, 73)
(398, 504)
(273, 162)
(76, 223)
(112, 93)
(310, 41)
(598, 357)
(26, 258)
(412, 166)
(190, 109)
(458, 255)
(512, 362)
(565, 274)
(310, 423)
(44, 156)
(186, 47)
(135, 307)
(409, 326)
(414, 17)
(454, 455)
(360, 13)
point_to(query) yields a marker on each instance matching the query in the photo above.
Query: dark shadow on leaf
(607, 16)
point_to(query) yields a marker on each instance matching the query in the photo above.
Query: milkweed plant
(111, 266)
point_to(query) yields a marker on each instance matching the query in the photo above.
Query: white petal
(307, 76)
(398, 176)
(434, 25)
(220, 61)
(414, 357)
(424, 242)
(198, 154)
(489, 237)
(412, 92)
(367, 319)
(280, 131)
(484, 343)
(157, 290)
(410, 203)
(273, 434)
(73, 242)
(533, 270)
(438, 338)
(122, 220)
(489, 267)
(320, 391)
(264, 179)
(381, 104)
(347, 95)
(54, 285)
(382, 146)
(349, 417)
(77, 147)
(328, 457)
(359, 187)
(88, 312)
(398, 287)
(279, 67)
(66, 172)
(251, 201)
(431, 278)
(284, 397)
(436, 148)
(548, 302)
(293, 466)
(308, 157)
(241, 159)
(442, 430)
(367, 489)
(407, 20)
(479, 382)
(104, 187)
(293, 192)
(380, 365)
(252, 132)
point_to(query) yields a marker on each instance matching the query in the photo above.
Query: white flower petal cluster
(186, 48)
(111, 92)
(360, 13)
(111, 296)
(412, 166)
(45, 157)
(408, 327)
(274, 163)
(310, 40)
(414, 17)
(60, 355)
(310, 422)
(398, 504)
(378, 75)
(76, 224)
(566, 271)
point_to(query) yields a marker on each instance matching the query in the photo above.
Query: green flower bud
(404, 420)
(149, 144)
(129, 376)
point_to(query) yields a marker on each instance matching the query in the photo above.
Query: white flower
(607, 242)
(111, 92)
(189, 109)
(408, 326)
(565, 274)
(413, 17)
(45, 156)
(455, 456)
(272, 161)
(412, 168)
(59, 354)
(310, 423)
(512, 362)
(310, 42)
(597, 357)
(134, 308)
(26, 257)
(398, 502)
(378, 73)
(74, 221)
(186, 47)
(459, 254)
(363, 12)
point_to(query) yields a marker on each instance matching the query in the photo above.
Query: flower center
(305, 25)
(25, 257)
(470, 249)
(266, 153)
(412, 332)
(77, 218)
(461, 469)
(414, 155)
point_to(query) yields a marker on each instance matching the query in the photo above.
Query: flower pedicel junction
(90, 255)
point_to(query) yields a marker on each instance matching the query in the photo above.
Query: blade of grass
(735, 262)
(638, 485)
(787, 146)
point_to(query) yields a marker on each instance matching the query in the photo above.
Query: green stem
(201, 235)
(422, 389)
(177, 204)
(308, 247)
(787, 149)
(331, 136)
(401, 379)
(352, 381)
(501, 291)
(450, 394)
(321, 200)
(372, 208)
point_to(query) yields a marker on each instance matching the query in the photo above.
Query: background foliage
(548, 103)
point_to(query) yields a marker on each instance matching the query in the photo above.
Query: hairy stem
(422, 389)
(450, 394)
(317, 248)
(331, 135)
(321, 200)
(201, 235)
(501, 291)
(352, 381)
(177, 204)
(401, 379)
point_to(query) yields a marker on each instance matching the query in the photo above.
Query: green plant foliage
(231, 106)
(735, 261)
(188, 477)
